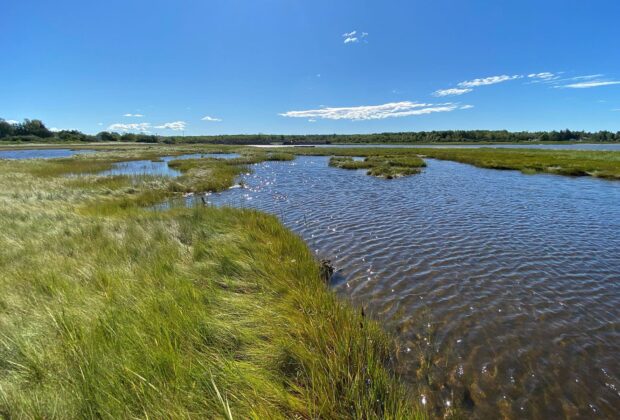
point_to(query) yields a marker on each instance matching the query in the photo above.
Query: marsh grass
(382, 166)
(202, 175)
(109, 310)
(275, 156)
(602, 164)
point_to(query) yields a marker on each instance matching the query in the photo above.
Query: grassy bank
(602, 164)
(383, 161)
(111, 310)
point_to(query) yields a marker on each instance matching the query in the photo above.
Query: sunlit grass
(111, 310)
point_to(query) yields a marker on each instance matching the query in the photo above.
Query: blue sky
(292, 66)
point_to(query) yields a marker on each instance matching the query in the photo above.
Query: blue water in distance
(159, 168)
(41, 153)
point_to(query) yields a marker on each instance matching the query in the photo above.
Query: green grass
(109, 310)
(349, 163)
(201, 175)
(602, 164)
(383, 166)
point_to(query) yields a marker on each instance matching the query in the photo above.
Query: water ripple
(510, 282)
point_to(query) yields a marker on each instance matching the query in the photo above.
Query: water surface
(507, 284)
(41, 153)
(159, 167)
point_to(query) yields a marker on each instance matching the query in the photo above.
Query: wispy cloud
(616, 109)
(453, 91)
(139, 127)
(212, 119)
(12, 121)
(373, 112)
(176, 126)
(466, 107)
(545, 75)
(586, 77)
(133, 115)
(353, 37)
(146, 127)
(590, 84)
(488, 81)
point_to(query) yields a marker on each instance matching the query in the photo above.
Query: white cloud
(587, 77)
(352, 37)
(176, 126)
(488, 81)
(466, 107)
(12, 121)
(590, 84)
(453, 91)
(133, 115)
(55, 130)
(100, 123)
(372, 112)
(140, 127)
(212, 119)
(545, 75)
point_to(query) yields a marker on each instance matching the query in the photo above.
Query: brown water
(506, 286)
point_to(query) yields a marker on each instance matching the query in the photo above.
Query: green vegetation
(34, 131)
(349, 163)
(388, 167)
(111, 310)
(421, 137)
(562, 162)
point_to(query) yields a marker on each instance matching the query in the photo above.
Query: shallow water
(508, 284)
(159, 168)
(41, 153)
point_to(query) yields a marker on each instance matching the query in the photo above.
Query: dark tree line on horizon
(36, 131)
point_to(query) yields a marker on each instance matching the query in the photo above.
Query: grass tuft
(381, 166)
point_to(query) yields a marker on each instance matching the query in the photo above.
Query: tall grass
(113, 311)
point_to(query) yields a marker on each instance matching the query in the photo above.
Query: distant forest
(35, 131)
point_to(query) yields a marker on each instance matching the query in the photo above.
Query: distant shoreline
(94, 144)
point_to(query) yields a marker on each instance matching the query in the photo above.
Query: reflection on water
(160, 167)
(508, 284)
(41, 153)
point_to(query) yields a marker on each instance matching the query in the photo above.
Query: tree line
(36, 131)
